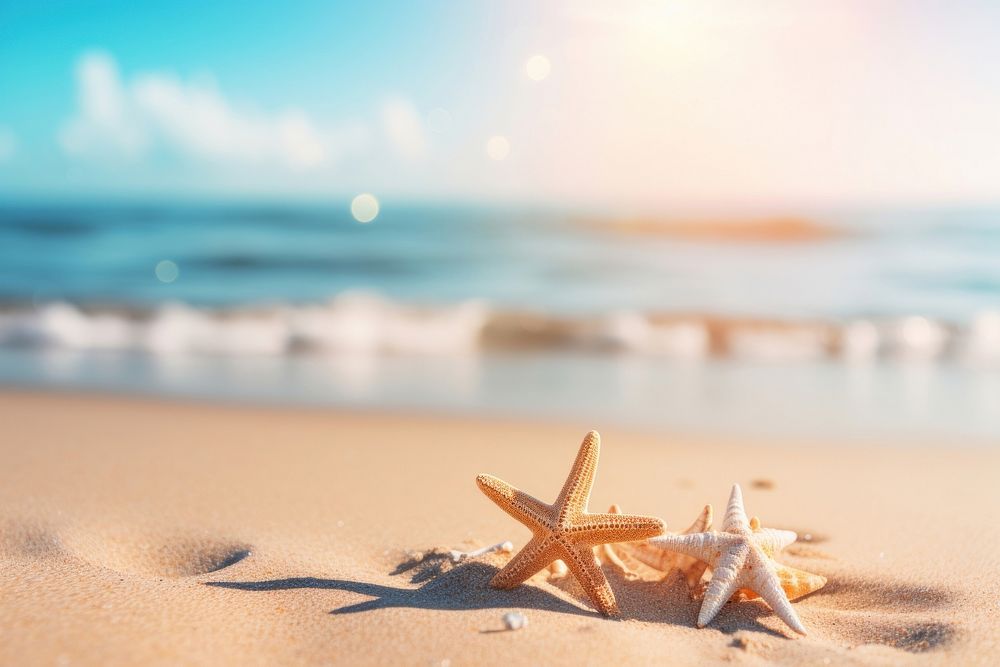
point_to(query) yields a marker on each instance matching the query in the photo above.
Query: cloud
(404, 128)
(8, 144)
(194, 119)
(106, 123)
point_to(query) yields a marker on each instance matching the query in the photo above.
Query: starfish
(565, 530)
(636, 558)
(740, 558)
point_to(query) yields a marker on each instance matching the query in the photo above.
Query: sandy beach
(317, 321)
(136, 531)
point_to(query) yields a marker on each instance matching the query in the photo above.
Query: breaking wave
(368, 324)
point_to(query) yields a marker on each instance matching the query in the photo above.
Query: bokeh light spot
(538, 67)
(364, 207)
(498, 147)
(166, 271)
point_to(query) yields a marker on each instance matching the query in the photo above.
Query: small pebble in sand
(515, 620)
(742, 642)
(766, 484)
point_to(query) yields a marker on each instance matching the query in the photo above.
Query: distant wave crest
(357, 323)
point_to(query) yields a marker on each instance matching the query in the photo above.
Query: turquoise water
(938, 263)
(889, 331)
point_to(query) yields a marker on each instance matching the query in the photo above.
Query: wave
(357, 323)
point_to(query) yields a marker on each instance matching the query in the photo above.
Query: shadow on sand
(444, 586)
(461, 588)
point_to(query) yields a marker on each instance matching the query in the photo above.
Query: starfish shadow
(464, 587)
(668, 601)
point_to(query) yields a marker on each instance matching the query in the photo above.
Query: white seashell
(515, 620)
(500, 547)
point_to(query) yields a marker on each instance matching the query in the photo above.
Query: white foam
(635, 332)
(65, 326)
(917, 338)
(860, 341)
(800, 343)
(355, 325)
(359, 322)
(982, 342)
(178, 328)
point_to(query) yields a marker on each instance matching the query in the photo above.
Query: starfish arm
(797, 583)
(703, 523)
(608, 554)
(575, 493)
(596, 529)
(527, 509)
(703, 546)
(736, 516)
(725, 581)
(535, 555)
(654, 557)
(584, 565)
(763, 580)
(772, 540)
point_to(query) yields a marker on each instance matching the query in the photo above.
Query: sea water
(889, 327)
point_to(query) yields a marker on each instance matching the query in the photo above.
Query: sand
(142, 532)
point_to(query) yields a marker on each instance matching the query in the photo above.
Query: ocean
(888, 328)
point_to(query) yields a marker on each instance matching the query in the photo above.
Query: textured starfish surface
(642, 560)
(565, 530)
(795, 582)
(740, 558)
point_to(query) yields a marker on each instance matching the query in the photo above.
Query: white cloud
(8, 144)
(105, 123)
(404, 127)
(193, 119)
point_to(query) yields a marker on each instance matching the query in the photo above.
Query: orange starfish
(565, 530)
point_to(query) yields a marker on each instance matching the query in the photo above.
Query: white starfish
(739, 558)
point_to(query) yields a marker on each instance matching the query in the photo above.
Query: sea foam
(363, 323)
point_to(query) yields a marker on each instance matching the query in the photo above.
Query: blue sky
(336, 61)
(649, 103)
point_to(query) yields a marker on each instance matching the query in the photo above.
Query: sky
(624, 104)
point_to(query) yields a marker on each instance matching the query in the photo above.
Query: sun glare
(538, 67)
(498, 147)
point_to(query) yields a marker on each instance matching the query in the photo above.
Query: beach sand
(135, 531)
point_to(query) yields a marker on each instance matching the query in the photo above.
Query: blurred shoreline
(905, 402)
(887, 328)
(365, 323)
